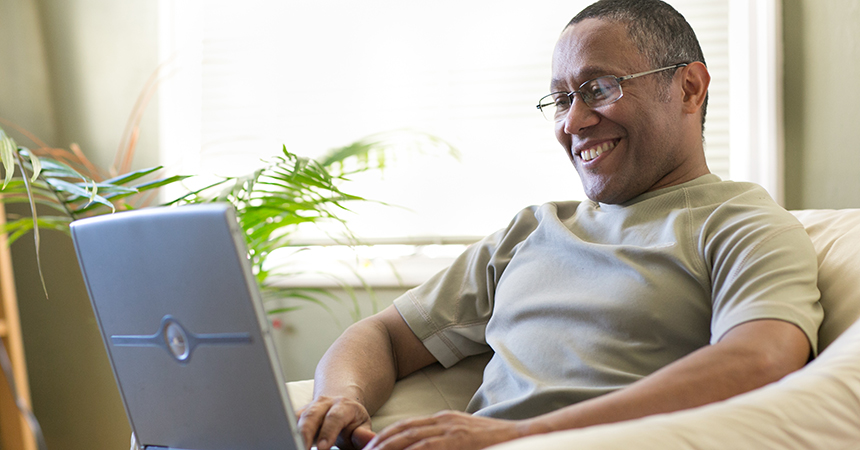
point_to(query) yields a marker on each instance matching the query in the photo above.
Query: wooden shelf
(16, 433)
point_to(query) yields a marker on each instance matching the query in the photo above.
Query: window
(247, 78)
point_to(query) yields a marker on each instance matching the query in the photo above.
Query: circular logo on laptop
(177, 340)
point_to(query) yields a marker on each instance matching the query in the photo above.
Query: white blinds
(317, 75)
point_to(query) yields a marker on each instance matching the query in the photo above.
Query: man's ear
(695, 85)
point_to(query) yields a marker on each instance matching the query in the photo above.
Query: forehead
(593, 48)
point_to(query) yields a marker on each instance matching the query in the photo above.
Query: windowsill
(376, 266)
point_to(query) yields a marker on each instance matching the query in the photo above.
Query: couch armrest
(835, 234)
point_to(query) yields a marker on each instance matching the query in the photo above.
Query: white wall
(304, 335)
(70, 72)
(25, 95)
(822, 103)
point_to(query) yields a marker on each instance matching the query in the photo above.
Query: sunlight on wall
(313, 77)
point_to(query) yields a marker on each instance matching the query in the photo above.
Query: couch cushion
(425, 392)
(836, 237)
(431, 390)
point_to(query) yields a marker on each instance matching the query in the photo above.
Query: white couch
(817, 407)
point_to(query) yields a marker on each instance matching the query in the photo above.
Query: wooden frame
(15, 433)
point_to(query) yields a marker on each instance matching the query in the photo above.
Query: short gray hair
(660, 32)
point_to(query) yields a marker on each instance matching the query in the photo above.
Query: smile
(597, 150)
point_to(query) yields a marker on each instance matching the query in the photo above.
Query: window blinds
(318, 75)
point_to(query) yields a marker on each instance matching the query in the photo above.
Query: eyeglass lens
(597, 92)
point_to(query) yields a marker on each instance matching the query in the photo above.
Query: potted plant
(271, 203)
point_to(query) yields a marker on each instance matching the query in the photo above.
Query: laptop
(185, 330)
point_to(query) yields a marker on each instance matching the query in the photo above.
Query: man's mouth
(593, 152)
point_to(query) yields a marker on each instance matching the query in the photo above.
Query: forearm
(356, 376)
(692, 382)
(368, 358)
(360, 366)
(710, 374)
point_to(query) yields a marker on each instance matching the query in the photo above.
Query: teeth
(594, 152)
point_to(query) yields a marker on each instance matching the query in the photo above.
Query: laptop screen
(185, 330)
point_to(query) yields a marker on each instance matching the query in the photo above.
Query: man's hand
(446, 430)
(335, 420)
(356, 376)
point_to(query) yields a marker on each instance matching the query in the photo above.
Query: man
(667, 290)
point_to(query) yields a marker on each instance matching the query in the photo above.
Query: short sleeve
(764, 267)
(449, 313)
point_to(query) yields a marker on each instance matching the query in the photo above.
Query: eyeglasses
(600, 91)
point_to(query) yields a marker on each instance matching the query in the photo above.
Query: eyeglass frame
(617, 80)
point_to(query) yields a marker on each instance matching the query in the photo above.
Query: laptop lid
(185, 330)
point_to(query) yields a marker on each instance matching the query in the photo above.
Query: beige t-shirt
(578, 299)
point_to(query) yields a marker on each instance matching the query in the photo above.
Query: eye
(562, 101)
(602, 91)
(595, 90)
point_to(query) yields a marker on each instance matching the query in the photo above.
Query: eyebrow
(585, 74)
(556, 85)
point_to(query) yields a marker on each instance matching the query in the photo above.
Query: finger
(311, 419)
(361, 436)
(408, 439)
(298, 412)
(341, 418)
(402, 425)
(405, 437)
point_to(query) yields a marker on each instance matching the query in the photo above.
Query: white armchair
(817, 407)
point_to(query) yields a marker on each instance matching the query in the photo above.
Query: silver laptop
(185, 330)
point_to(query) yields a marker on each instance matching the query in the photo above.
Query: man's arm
(749, 356)
(356, 376)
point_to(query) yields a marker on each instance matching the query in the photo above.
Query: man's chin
(604, 194)
(597, 192)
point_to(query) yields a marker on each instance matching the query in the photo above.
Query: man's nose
(579, 117)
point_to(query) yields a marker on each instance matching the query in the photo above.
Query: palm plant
(63, 190)
(271, 203)
(290, 191)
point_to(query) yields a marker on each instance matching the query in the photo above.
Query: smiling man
(668, 289)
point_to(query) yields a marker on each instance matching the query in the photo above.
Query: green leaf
(39, 200)
(161, 182)
(32, 163)
(120, 192)
(7, 155)
(19, 227)
(37, 166)
(122, 179)
(193, 196)
(56, 169)
(77, 191)
(33, 212)
(107, 189)
(359, 149)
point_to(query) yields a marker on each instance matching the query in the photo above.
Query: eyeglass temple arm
(627, 77)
